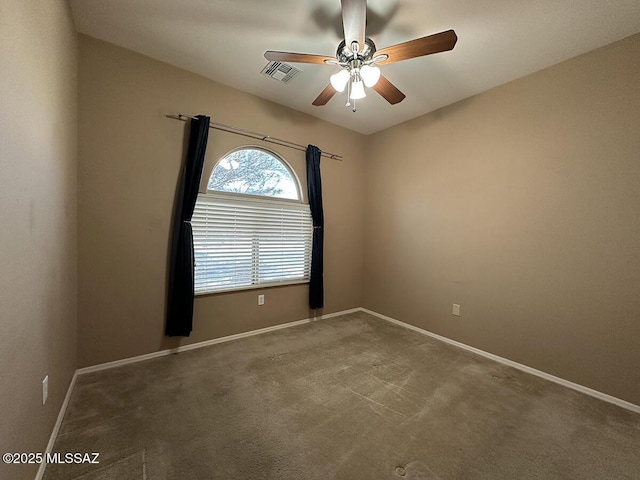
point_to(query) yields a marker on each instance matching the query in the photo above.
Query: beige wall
(521, 204)
(38, 253)
(130, 156)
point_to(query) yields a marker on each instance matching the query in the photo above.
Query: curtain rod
(247, 133)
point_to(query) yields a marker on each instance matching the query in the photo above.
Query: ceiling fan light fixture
(339, 80)
(370, 75)
(357, 90)
(359, 58)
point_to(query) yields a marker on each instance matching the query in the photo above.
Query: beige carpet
(353, 397)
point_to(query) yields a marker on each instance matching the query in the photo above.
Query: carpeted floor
(352, 397)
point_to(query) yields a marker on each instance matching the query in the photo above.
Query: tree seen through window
(253, 172)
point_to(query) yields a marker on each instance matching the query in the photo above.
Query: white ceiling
(224, 40)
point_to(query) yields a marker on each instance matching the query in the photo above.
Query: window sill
(252, 287)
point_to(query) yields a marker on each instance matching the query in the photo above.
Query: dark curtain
(314, 187)
(181, 261)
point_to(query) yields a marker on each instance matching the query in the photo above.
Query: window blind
(246, 242)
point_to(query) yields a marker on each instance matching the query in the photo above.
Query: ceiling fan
(358, 57)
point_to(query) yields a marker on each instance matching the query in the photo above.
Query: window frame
(277, 156)
(267, 200)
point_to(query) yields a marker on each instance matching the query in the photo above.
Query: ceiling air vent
(283, 72)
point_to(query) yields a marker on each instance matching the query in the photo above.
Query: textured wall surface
(38, 237)
(521, 205)
(130, 157)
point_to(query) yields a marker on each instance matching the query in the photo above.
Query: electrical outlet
(260, 299)
(45, 389)
(456, 310)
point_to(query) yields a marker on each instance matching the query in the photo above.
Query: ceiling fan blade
(439, 42)
(324, 96)
(388, 91)
(354, 19)
(296, 57)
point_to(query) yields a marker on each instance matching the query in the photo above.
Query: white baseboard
(206, 343)
(552, 378)
(56, 427)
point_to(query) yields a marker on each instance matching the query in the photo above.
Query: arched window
(251, 228)
(256, 172)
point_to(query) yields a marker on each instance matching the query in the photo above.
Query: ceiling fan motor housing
(366, 52)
